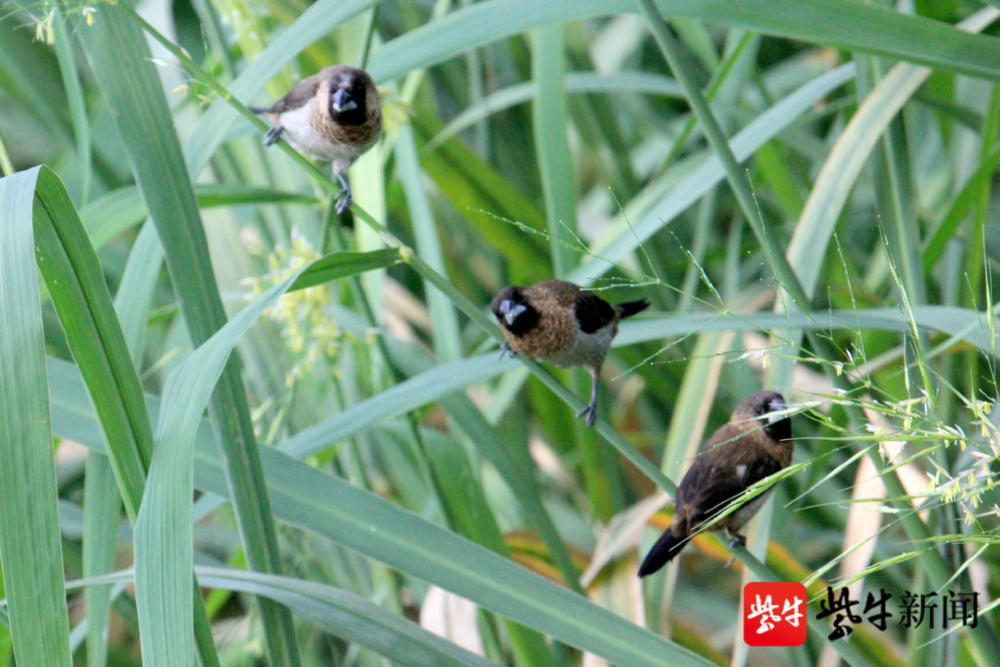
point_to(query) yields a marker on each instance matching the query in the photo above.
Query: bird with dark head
(333, 116)
(558, 322)
(755, 443)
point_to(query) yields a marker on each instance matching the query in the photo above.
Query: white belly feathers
(301, 135)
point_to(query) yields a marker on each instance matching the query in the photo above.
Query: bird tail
(259, 110)
(630, 308)
(668, 546)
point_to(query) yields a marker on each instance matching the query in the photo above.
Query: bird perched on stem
(755, 443)
(334, 116)
(558, 322)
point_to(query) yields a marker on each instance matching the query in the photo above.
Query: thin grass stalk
(720, 76)
(737, 177)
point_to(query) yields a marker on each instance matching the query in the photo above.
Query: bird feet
(589, 413)
(506, 351)
(273, 134)
(343, 200)
(736, 541)
(344, 196)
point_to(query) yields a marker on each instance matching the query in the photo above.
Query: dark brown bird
(755, 443)
(560, 323)
(334, 116)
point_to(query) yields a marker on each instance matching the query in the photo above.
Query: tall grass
(304, 417)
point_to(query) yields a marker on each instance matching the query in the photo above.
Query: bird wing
(720, 474)
(592, 312)
(304, 91)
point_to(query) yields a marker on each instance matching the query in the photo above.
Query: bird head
(770, 408)
(348, 93)
(513, 311)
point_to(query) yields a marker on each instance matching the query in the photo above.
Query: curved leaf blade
(164, 549)
(29, 525)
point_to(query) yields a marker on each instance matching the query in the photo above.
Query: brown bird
(560, 323)
(333, 116)
(756, 442)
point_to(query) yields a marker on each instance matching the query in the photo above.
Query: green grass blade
(363, 522)
(29, 525)
(739, 182)
(968, 325)
(75, 99)
(843, 166)
(164, 550)
(76, 285)
(575, 82)
(349, 616)
(839, 23)
(101, 510)
(464, 502)
(343, 264)
(555, 165)
(963, 202)
(625, 238)
(80, 296)
(494, 445)
(339, 612)
(135, 292)
(120, 60)
(447, 339)
(114, 212)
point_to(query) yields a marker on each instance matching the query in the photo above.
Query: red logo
(774, 613)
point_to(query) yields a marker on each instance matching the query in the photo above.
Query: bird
(333, 116)
(559, 322)
(755, 443)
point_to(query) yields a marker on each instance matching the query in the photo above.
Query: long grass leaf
(120, 59)
(838, 23)
(29, 525)
(114, 212)
(447, 340)
(164, 549)
(842, 167)
(360, 520)
(101, 511)
(339, 612)
(626, 237)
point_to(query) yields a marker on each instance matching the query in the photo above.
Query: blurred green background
(804, 190)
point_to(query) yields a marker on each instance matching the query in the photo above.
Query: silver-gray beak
(511, 311)
(776, 407)
(341, 101)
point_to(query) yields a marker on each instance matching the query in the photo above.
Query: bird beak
(511, 311)
(777, 406)
(342, 101)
